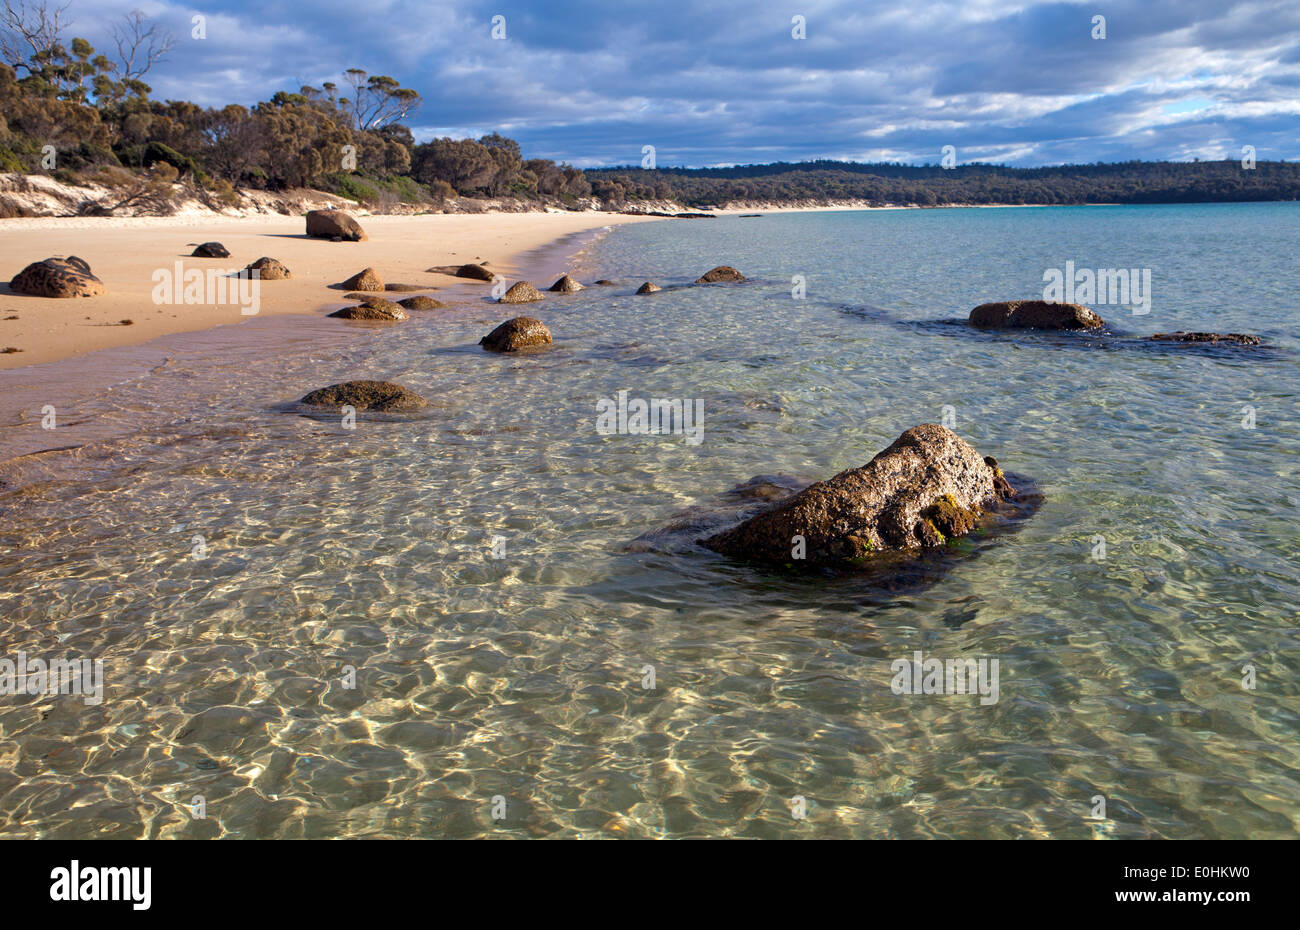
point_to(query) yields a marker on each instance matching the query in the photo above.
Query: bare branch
(140, 44)
(31, 34)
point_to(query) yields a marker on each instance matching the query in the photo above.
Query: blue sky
(710, 83)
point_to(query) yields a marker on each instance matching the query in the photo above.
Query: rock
(1033, 314)
(334, 224)
(366, 395)
(421, 303)
(477, 272)
(648, 288)
(566, 285)
(58, 277)
(357, 295)
(605, 282)
(210, 250)
(1240, 339)
(405, 288)
(268, 269)
(373, 308)
(521, 293)
(365, 280)
(721, 273)
(928, 487)
(516, 334)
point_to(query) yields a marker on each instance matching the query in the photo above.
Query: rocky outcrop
(928, 487)
(58, 277)
(421, 303)
(721, 273)
(334, 225)
(382, 396)
(365, 280)
(521, 293)
(648, 288)
(520, 333)
(210, 250)
(373, 308)
(1240, 339)
(566, 285)
(477, 272)
(268, 269)
(1033, 314)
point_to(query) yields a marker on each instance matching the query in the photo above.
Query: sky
(592, 82)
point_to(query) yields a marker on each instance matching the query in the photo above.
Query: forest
(83, 115)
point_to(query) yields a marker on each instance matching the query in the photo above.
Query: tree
(31, 33)
(140, 48)
(378, 99)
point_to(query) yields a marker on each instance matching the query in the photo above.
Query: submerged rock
(334, 224)
(268, 269)
(566, 285)
(58, 277)
(373, 308)
(605, 282)
(365, 280)
(210, 250)
(421, 303)
(521, 293)
(1034, 314)
(519, 333)
(366, 395)
(1240, 339)
(405, 288)
(648, 288)
(928, 487)
(721, 273)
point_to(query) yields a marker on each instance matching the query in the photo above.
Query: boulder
(421, 303)
(605, 282)
(477, 272)
(406, 288)
(373, 308)
(516, 334)
(58, 277)
(334, 224)
(365, 280)
(566, 285)
(521, 293)
(721, 273)
(648, 288)
(928, 487)
(366, 395)
(1240, 339)
(268, 269)
(1034, 314)
(210, 250)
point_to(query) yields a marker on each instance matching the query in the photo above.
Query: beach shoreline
(131, 254)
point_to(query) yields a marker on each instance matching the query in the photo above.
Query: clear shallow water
(522, 676)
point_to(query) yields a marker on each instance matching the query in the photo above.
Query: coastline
(125, 253)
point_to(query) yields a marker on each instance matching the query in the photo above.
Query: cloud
(591, 82)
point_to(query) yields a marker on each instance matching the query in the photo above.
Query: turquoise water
(522, 678)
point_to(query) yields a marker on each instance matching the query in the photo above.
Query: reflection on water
(331, 552)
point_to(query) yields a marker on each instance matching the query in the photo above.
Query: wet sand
(126, 253)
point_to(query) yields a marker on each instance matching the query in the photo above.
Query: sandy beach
(126, 253)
